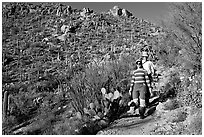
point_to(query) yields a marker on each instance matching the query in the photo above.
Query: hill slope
(56, 60)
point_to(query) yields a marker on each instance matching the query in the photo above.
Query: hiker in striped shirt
(140, 85)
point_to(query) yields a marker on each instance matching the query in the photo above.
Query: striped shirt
(140, 76)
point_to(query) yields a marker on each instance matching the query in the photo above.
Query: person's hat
(145, 54)
(138, 61)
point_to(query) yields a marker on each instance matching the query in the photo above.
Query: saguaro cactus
(5, 104)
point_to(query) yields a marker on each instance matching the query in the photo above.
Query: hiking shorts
(140, 91)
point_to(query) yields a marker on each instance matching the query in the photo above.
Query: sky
(151, 11)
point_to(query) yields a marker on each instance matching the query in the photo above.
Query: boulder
(78, 115)
(126, 13)
(86, 111)
(103, 123)
(92, 113)
(160, 108)
(177, 115)
(194, 122)
(100, 114)
(92, 106)
(103, 90)
(116, 11)
(170, 104)
(62, 37)
(64, 28)
(85, 11)
(68, 10)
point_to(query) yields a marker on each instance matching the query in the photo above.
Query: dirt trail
(130, 126)
(133, 125)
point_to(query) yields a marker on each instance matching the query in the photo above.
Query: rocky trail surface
(163, 118)
(133, 124)
(178, 121)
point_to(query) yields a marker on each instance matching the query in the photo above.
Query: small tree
(185, 27)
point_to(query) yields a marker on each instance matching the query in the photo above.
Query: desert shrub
(8, 123)
(21, 107)
(171, 104)
(194, 126)
(170, 88)
(190, 92)
(167, 50)
(184, 36)
(177, 115)
(42, 124)
(185, 87)
(85, 86)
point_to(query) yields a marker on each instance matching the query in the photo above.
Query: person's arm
(152, 68)
(147, 80)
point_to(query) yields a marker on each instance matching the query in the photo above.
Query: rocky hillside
(56, 59)
(71, 35)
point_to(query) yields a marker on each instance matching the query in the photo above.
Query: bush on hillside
(194, 122)
(182, 45)
(86, 87)
(190, 92)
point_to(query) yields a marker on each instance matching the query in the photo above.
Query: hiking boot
(131, 111)
(142, 112)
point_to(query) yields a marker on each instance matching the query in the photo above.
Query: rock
(170, 104)
(103, 123)
(116, 11)
(97, 117)
(92, 106)
(92, 112)
(100, 114)
(21, 130)
(62, 37)
(160, 107)
(78, 115)
(68, 10)
(64, 28)
(85, 11)
(103, 90)
(126, 13)
(86, 118)
(177, 115)
(86, 111)
(194, 121)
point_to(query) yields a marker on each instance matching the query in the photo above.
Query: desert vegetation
(66, 71)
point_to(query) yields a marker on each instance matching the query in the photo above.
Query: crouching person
(140, 85)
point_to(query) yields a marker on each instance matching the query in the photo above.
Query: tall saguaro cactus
(5, 104)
